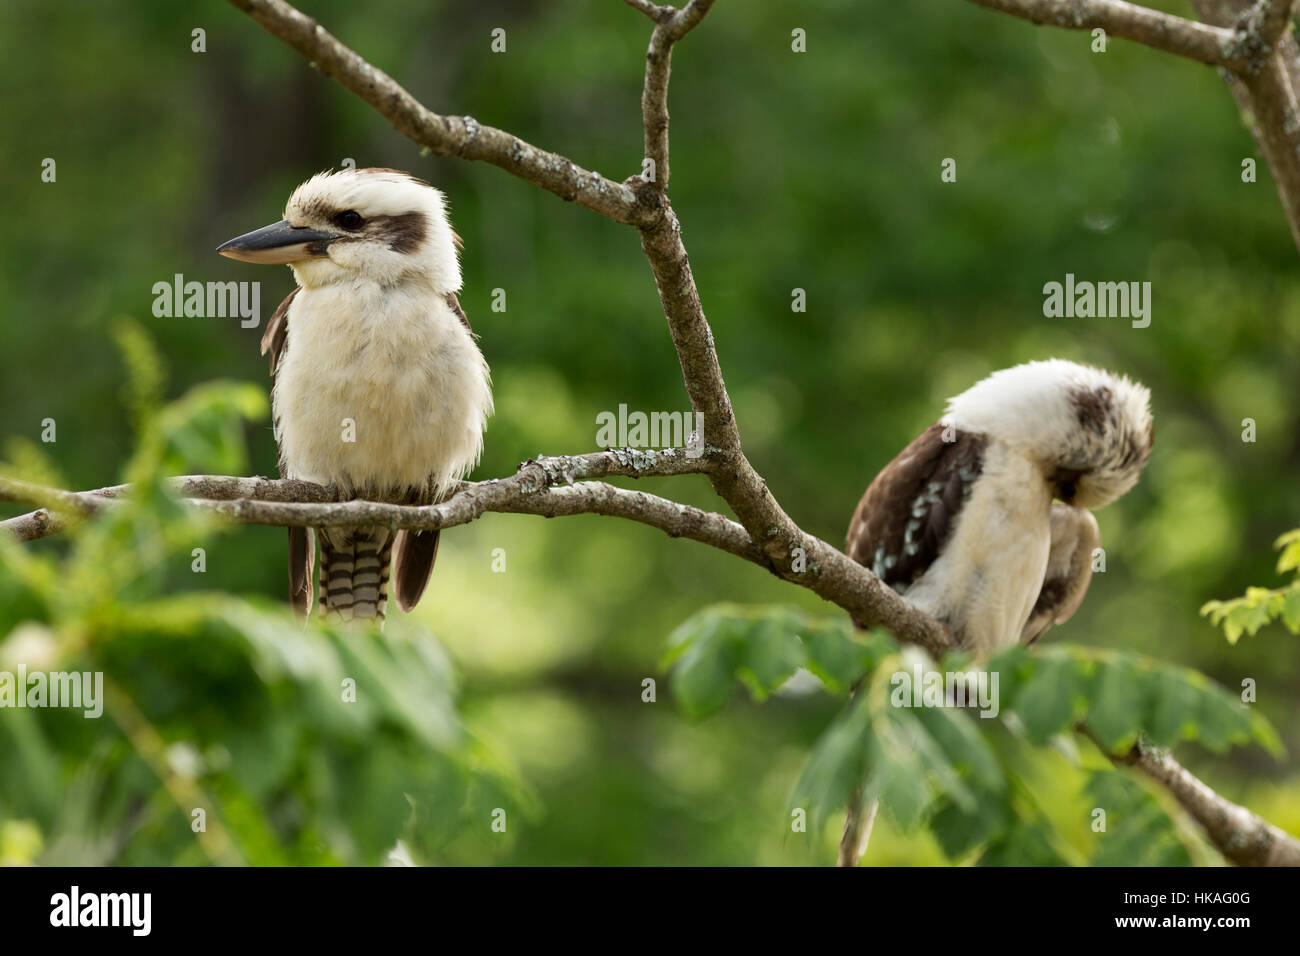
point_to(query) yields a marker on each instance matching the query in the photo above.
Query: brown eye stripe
(403, 233)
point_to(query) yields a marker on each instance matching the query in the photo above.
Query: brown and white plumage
(962, 522)
(1075, 538)
(380, 389)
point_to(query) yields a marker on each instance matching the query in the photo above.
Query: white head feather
(1088, 429)
(405, 234)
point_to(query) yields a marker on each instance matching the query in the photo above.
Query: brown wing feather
(276, 336)
(453, 303)
(302, 560)
(911, 507)
(413, 557)
(302, 541)
(1069, 570)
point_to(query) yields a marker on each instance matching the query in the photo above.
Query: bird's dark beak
(277, 243)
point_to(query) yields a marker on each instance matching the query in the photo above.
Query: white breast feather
(399, 364)
(989, 573)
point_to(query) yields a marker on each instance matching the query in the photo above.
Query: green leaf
(1291, 608)
(145, 373)
(1026, 843)
(770, 653)
(898, 775)
(203, 429)
(1222, 719)
(939, 770)
(840, 657)
(1289, 559)
(890, 754)
(1014, 667)
(763, 647)
(958, 733)
(705, 674)
(1117, 711)
(838, 763)
(1258, 606)
(1138, 831)
(960, 829)
(1050, 700)
(1175, 704)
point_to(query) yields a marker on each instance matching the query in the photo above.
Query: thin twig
(790, 552)
(774, 538)
(1266, 95)
(858, 822)
(654, 11)
(1249, 39)
(671, 26)
(1207, 44)
(544, 486)
(461, 136)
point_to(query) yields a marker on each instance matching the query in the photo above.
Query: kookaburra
(983, 521)
(380, 389)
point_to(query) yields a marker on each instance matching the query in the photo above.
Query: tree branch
(1266, 95)
(792, 553)
(827, 571)
(1242, 837)
(654, 11)
(544, 486)
(1196, 41)
(859, 818)
(766, 535)
(60, 505)
(670, 26)
(1274, 18)
(1250, 41)
(461, 136)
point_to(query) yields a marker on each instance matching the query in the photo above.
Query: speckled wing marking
(302, 542)
(911, 507)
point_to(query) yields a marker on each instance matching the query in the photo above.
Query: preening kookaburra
(984, 519)
(380, 389)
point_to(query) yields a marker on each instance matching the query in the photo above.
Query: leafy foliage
(1258, 606)
(946, 767)
(1138, 831)
(916, 288)
(320, 744)
(763, 648)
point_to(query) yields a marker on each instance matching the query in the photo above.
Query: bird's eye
(349, 219)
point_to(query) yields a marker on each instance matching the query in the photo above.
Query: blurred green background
(818, 171)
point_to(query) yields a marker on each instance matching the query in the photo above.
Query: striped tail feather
(354, 568)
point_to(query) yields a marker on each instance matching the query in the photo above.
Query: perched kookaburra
(963, 521)
(380, 389)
